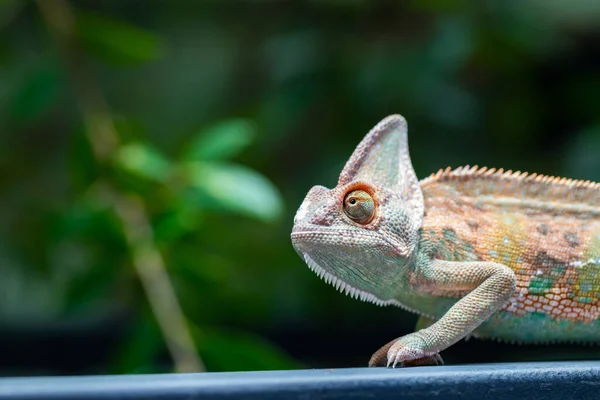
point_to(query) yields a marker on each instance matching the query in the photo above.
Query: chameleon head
(360, 235)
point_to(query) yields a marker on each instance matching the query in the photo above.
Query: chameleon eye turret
(359, 206)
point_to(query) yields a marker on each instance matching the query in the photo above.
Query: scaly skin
(479, 252)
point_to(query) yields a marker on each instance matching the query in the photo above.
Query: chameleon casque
(474, 251)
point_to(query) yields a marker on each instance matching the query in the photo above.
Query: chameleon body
(474, 251)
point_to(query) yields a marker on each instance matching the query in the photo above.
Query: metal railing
(540, 381)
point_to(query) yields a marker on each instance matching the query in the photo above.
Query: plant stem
(146, 258)
(149, 265)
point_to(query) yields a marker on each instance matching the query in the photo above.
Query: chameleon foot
(407, 348)
(398, 348)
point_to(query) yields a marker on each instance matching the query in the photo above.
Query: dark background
(143, 137)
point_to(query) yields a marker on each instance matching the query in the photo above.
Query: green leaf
(237, 351)
(182, 219)
(40, 90)
(234, 188)
(116, 41)
(221, 141)
(144, 161)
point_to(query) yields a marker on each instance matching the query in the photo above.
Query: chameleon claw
(394, 358)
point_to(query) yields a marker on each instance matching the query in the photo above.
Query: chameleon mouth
(343, 287)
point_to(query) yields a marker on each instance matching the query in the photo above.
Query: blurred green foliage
(227, 113)
(116, 42)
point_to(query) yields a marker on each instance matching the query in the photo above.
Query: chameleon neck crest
(361, 235)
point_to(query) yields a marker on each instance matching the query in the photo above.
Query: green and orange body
(547, 230)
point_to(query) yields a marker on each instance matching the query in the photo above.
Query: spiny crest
(341, 285)
(475, 181)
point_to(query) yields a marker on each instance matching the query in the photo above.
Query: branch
(146, 258)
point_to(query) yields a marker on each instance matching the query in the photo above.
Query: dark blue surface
(564, 380)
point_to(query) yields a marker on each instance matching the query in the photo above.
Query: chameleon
(475, 252)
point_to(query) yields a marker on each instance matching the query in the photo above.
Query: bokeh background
(153, 155)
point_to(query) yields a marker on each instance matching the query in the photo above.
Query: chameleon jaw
(342, 286)
(300, 235)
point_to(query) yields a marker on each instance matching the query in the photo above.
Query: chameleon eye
(359, 206)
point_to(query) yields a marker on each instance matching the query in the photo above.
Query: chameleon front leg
(490, 285)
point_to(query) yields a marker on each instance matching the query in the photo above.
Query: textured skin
(479, 252)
